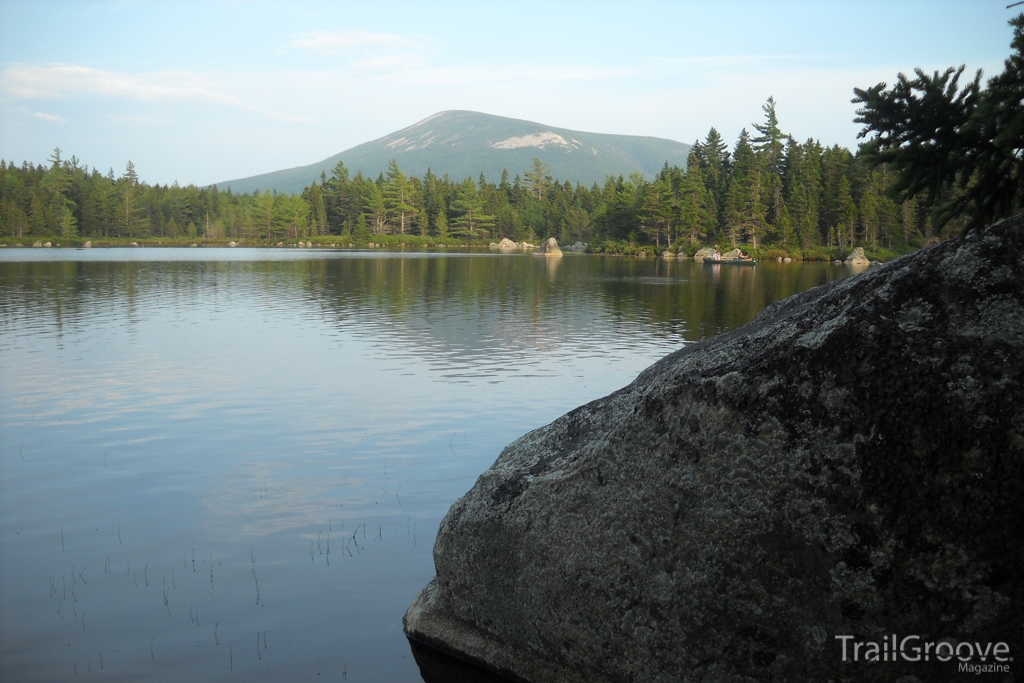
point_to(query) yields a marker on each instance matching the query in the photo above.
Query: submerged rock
(847, 464)
(549, 248)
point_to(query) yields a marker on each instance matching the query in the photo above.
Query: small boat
(731, 262)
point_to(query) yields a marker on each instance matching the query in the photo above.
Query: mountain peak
(464, 144)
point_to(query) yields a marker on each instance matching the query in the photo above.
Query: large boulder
(857, 258)
(842, 471)
(549, 248)
(706, 252)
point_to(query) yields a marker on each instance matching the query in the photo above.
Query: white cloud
(345, 101)
(70, 81)
(53, 118)
(331, 42)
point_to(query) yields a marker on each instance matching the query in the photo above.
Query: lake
(232, 463)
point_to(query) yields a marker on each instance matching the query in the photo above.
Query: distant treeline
(769, 192)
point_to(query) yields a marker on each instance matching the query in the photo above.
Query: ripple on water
(168, 414)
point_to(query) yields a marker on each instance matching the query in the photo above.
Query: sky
(209, 91)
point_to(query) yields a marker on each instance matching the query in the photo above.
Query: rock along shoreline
(848, 463)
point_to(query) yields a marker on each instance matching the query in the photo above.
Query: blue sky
(204, 92)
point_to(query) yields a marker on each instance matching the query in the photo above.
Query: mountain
(467, 143)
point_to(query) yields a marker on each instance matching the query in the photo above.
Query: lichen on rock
(847, 463)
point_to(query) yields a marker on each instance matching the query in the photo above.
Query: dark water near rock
(222, 464)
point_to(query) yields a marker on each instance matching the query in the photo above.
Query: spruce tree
(361, 232)
(713, 155)
(697, 211)
(317, 209)
(471, 221)
(745, 209)
(802, 189)
(69, 226)
(441, 220)
(961, 150)
(656, 210)
(134, 223)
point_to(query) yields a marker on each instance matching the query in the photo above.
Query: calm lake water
(224, 464)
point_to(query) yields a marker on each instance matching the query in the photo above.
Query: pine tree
(771, 141)
(375, 208)
(133, 221)
(265, 216)
(471, 221)
(58, 182)
(770, 145)
(538, 179)
(398, 197)
(294, 215)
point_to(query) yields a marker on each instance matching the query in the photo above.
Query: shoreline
(387, 245)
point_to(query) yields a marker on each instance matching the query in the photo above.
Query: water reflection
(298, 420)
(682, 299)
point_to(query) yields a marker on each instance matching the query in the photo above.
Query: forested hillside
(768, 192)
(468, 143)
